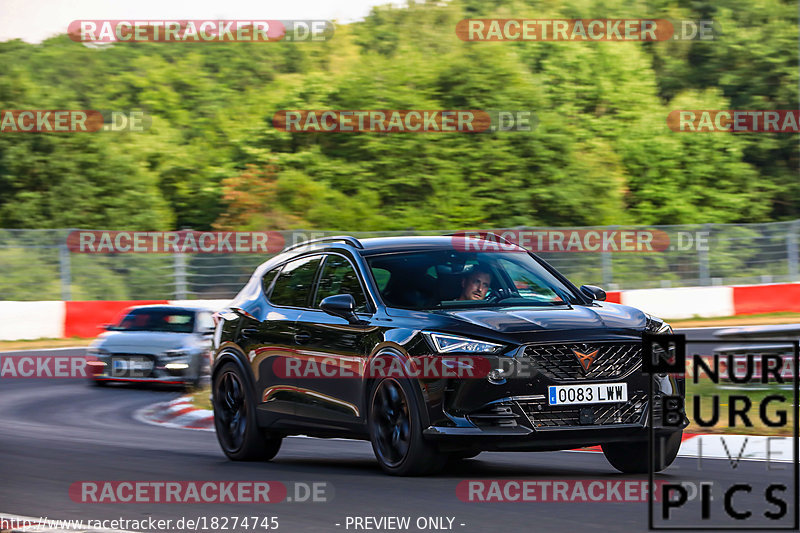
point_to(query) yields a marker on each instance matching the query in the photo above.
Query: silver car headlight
(451, 343)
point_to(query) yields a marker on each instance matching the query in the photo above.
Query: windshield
(168, 320)
(454, 279)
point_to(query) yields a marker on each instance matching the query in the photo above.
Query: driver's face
(476, 286)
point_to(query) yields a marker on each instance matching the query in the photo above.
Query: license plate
(131, 367)
(592, 393)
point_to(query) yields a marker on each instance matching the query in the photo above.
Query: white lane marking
(729, 447)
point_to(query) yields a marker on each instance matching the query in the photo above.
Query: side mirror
(594, 293)
(341, 305)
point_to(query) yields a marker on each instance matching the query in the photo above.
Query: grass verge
(201, 398)
(41, 344)
(746, 320)
(702, 397)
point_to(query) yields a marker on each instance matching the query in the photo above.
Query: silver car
(154, 343)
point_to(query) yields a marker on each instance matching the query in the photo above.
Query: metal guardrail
(38, 265)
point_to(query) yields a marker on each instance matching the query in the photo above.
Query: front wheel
(235, 419)
(395, 430)
(631, 457)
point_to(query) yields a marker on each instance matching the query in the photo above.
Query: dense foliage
(601, 153)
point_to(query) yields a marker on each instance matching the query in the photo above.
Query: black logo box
(666, 354)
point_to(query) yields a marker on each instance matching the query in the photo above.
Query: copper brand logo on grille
(585, 359)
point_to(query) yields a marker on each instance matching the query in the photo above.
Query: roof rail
(352, 241)
(482, 235)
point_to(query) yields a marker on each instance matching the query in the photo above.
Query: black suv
(433, 351)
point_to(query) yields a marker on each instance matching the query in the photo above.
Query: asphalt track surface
(54, 432)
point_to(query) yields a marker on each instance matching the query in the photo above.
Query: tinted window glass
(381, 277)
(455, 279)
(294, 282)
(339, 277)
(266, 281)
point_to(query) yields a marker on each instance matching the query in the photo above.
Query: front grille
(543, 415)
(559, 363)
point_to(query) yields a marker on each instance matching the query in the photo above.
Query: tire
(98, 383)
(395, 430)
(235, 419)
(631, 457)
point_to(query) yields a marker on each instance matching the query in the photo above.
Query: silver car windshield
(166, 320)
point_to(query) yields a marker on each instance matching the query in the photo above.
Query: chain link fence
(38, 264)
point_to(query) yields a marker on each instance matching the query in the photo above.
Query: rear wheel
(235, 420)
(631, 457)
(395, 430)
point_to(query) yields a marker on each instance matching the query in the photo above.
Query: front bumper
(160, 369)
(515, 414)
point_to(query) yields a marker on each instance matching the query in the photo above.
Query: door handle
(302, 337)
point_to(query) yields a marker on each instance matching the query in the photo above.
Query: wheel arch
(237, 357)
(419, 394)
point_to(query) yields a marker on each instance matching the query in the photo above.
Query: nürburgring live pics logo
(754, 501)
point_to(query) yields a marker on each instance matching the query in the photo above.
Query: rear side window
(294, 282)
(266, 281)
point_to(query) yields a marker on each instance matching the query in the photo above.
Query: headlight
(451, 343)
(659, 327)
(176, 353)
(656, 325)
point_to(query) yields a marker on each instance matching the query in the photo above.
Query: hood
(517, 320)
(144, 342)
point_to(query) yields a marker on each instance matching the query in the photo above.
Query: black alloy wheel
(234, 419)
(396, 431)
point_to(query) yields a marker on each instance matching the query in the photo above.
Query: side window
(266, 281)
(294, 282)
(339, 277)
